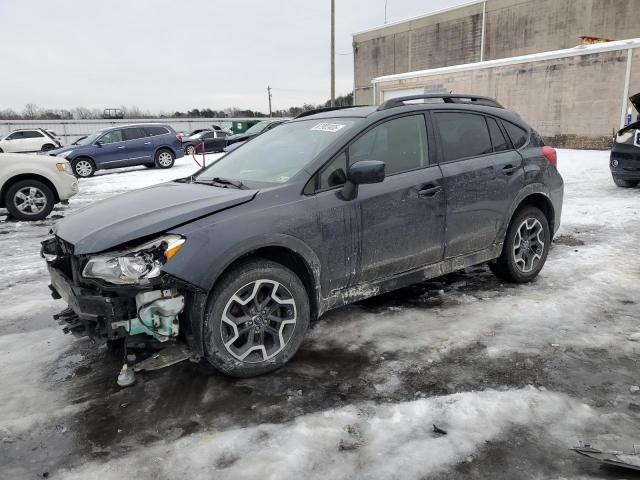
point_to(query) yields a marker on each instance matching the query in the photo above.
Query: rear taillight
(551, 155)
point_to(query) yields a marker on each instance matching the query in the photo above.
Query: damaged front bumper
(109, 312)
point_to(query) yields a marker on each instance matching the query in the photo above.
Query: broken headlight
(135, 265)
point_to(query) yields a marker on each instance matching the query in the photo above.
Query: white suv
(30, 185)
(34, 140)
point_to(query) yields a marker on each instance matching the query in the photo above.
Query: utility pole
(269, 94)
(333, 53)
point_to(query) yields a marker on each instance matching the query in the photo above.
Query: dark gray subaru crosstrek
(325, 210)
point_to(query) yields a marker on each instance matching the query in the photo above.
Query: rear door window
(500, 144)
(153, 131)
(31, 134)
(462, 135)
(113, 136)
(134, 133)
(517, 135)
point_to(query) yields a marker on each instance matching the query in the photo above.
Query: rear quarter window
(518, 135)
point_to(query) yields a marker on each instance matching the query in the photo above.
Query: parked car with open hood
(325, 210)
(30, 185)
(29, 140)
(152, 145)
(625, 152)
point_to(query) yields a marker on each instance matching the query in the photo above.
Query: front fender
(204, 270)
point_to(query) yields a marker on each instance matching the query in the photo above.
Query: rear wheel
(526, 247)
(83, 167)
(256, 319)
(164, 159)
(625, 183)
(29, 200)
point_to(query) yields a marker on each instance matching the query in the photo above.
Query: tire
(516, 264)
(1, 151)
(29, 200)
(47, 146)
(83, 167)
(190, 150)
(164, 158)
(625, 183)
(255, 281)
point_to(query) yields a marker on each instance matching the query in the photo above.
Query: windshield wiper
(225, 181)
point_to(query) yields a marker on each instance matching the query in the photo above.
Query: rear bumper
(625, 165)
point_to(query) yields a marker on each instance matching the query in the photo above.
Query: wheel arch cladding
(542, 203)
(289, 258)
(534, 195)
(84, 157)
(305, 265)
(164, 147)
(28, 176)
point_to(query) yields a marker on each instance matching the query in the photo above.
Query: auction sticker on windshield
(328, 127)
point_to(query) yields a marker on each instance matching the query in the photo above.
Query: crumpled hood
(123, 218)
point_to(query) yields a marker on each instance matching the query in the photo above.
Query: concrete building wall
(574, 101)
(512, 27)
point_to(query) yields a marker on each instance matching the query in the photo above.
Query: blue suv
(152, 145)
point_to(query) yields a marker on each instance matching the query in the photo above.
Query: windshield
(90, 139)
(279, 154)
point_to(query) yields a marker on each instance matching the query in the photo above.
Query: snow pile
(364, 441)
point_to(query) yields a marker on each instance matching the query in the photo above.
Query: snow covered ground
(514, 374)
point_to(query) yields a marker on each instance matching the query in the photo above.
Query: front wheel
(47, 146)
(625, 183)
(29, 200)
(190, 150)
(525, 248)
(83, 167)
(164, 159)
(256, 319)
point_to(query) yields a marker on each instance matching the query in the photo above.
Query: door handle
(509, 169)
(119, 148)
(429, 190)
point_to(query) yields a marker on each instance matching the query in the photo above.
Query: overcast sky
(163, 55)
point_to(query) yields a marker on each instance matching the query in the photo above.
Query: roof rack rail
(324, 109)
(446, 98)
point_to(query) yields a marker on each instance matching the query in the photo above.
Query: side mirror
(360, 173)
(98, 143)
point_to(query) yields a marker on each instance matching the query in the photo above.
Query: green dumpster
(243, 126)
